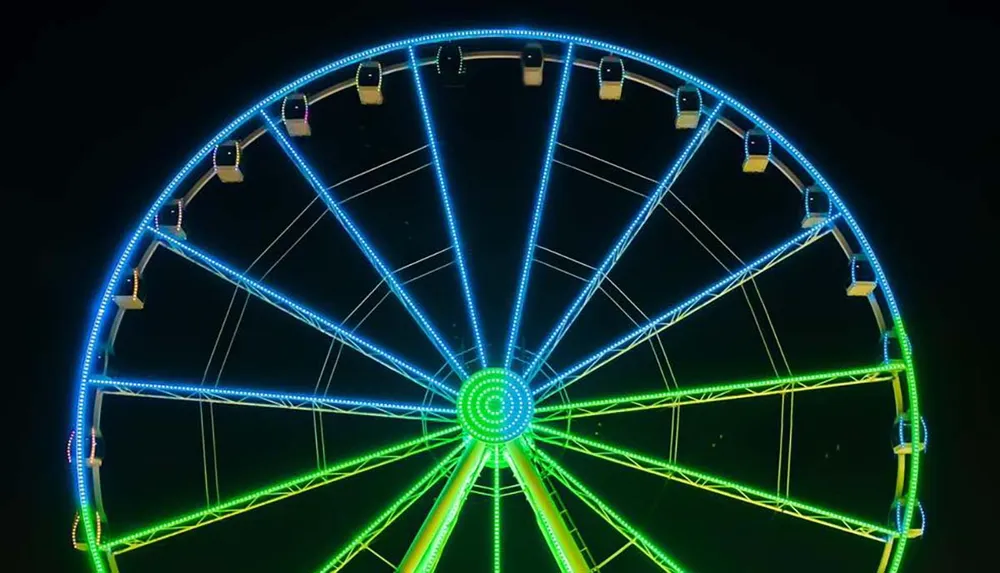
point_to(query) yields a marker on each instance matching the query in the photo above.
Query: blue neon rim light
(102, 303)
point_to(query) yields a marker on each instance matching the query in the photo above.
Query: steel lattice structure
(499, 416)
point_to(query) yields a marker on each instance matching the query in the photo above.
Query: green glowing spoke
(601, 508)
(376, 526)
(557, 535)
(496, 509)
(428, 545)
(719, 392)
(279, 491)
(714, 484)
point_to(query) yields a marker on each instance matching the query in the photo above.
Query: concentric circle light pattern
(495, 406)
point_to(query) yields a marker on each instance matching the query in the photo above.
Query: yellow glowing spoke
(395, 509)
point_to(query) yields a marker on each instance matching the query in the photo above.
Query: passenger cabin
(817, 207)
(169, 218)
(450, 65)
(896, 516)
(532, 63)
(611, 78)
(890, 346)
(902, 435)
(295, 115)
(756, 151)
(863, 281)
(369, 82)
(95, 450)
(226, 160)
(129, 296)
(687, 102)
(79, 542)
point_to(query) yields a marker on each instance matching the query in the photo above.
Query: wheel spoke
(696, 302)
(536, 217)
(271, 399)
(383, 520)
(306, 315)
(279, 491)
(497, 515)
(449, 211)
(719, 392)
(603, 509)
(622, 243)
(557, 536)
(425, 551)
(366, 248)
(715, 484)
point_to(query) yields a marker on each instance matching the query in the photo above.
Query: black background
(895, 103)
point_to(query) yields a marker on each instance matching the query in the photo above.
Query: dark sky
(890, 107)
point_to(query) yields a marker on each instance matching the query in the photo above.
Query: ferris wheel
(495, 420)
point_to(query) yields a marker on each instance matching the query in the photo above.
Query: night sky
(889, 107)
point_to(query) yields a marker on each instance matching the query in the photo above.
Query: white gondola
(756, 151)
(450, 64)
(817, 207)
(226, 161)
(295, 115)
(129, 296)
(532, 64)
(170, 218)
(369, 82)
(863, 281)
(687, 102)
(611, 78)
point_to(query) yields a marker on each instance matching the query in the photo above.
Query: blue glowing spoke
(449, 212)
(359, 238)
(270, 399)
(619, 246)
(536, 218)
(310, 317)
(675, 314)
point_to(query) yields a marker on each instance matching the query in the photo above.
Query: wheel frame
(88, 487)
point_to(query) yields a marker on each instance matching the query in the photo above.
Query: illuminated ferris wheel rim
(905, 511)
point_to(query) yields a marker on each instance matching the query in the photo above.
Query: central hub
(495, 406)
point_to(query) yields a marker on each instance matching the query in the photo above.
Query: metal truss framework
(604, 511)
(364, 244)
(717, 393)
(531, 466)
(678, 313)
(714, 484)
(270, 399)
(277, 492)
(364, 539)
(306, 315)
(627, 236)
